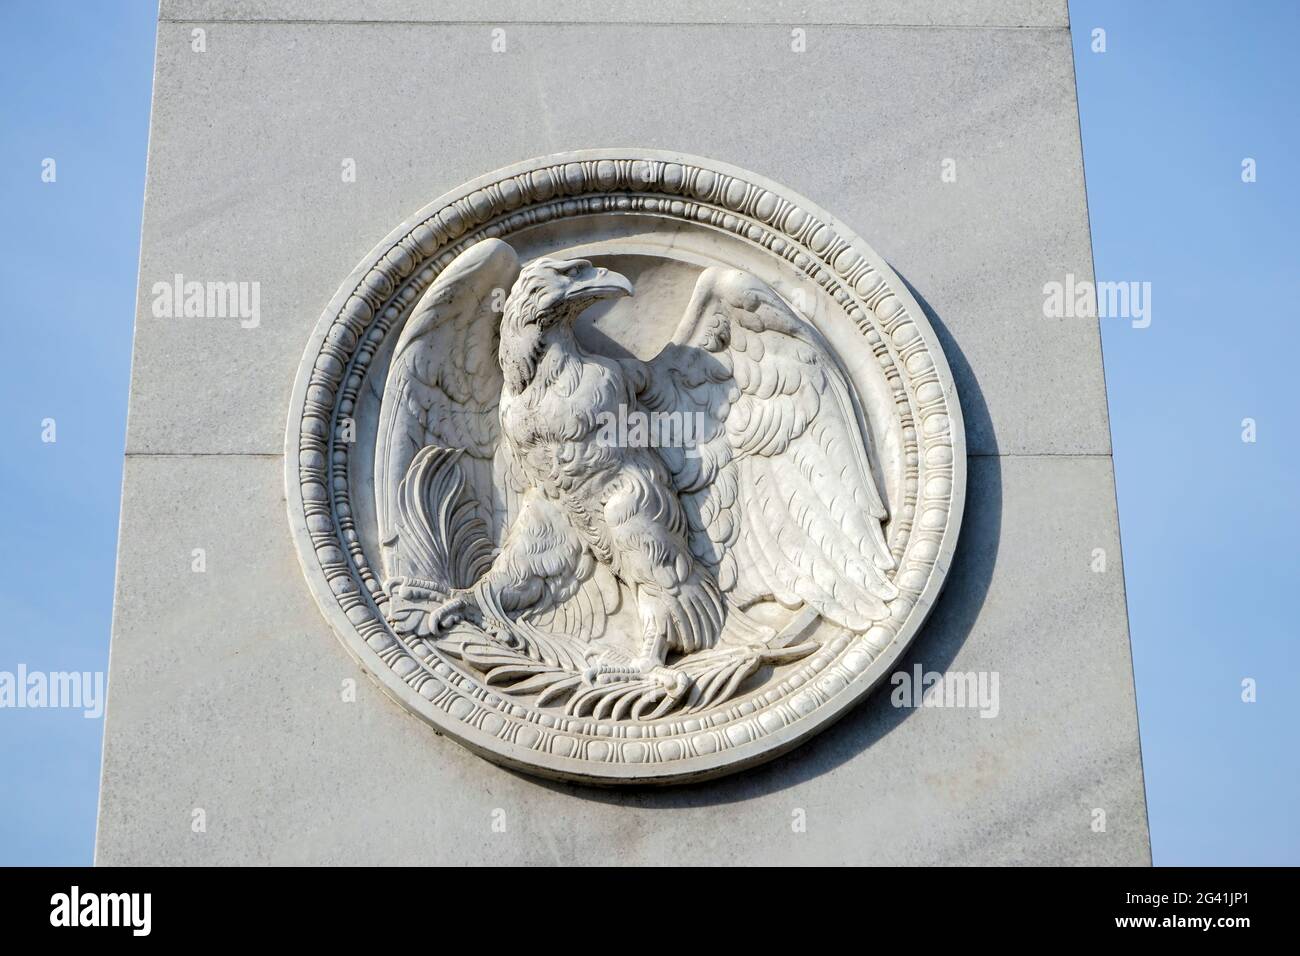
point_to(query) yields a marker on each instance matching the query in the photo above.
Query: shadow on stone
(949, 623)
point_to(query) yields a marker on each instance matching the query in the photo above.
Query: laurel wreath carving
(519, 659)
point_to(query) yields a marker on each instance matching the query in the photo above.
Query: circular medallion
(625, 466)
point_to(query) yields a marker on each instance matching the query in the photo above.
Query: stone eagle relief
(512, 526)
(624, 466)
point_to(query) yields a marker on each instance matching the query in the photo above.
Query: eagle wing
(443, 389)
(777, 488)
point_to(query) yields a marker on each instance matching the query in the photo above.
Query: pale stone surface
(234, 707)
(225, 686)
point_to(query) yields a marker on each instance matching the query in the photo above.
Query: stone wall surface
(225, 686)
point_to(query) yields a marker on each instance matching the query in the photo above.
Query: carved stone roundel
(625, 466)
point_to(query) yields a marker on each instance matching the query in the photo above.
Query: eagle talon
(460, 608)
(673, 683)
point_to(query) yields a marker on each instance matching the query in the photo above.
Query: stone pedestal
(289, 137)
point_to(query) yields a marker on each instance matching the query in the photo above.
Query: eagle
(503, 506)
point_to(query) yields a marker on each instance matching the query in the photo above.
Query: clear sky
(1184, 92)
(75, 82)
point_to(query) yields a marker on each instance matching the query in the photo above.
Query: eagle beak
(595, 283)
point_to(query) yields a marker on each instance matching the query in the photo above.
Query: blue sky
(1183, 93)
(76, 80)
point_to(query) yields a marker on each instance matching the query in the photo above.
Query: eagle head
(548, 295)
